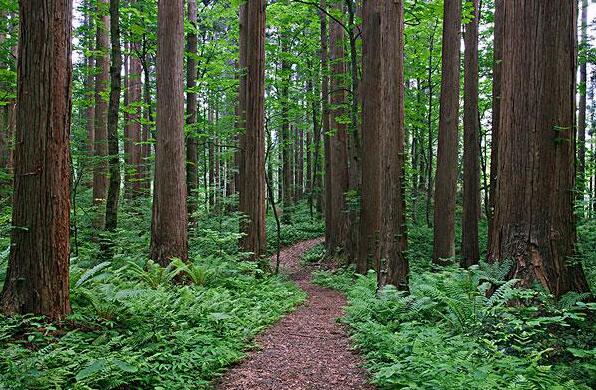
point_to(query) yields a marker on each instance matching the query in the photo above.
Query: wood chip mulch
(306, 350)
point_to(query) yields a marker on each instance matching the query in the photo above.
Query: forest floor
(308, 349)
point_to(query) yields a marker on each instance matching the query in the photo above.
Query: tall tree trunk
(90, 84)
(338, 142)
(192, 172)
(114, 107)
(581, 118)
(252, 112)
(496, 111)
(287, 182)
(299, 160)
(470, 252)
(134, 120)
(429, 122)
(37, 280)
(100, 150)
(146, 128)
(326, 123)
(169, 225)
(383, 235)
(370, 202)
(534, 223)
(446, 175)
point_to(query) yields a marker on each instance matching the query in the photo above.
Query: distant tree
(100, 140)
(38, 276)
(113, 111)
(192, 163)
(338, 139)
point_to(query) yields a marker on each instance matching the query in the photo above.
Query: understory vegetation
(134, 326)
(450, 334)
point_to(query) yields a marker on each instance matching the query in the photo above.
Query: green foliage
(315, 254)
(302, 227)
(133, 325)
(449, 335)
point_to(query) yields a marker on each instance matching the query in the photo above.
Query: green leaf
(91, 369)
(124, 366)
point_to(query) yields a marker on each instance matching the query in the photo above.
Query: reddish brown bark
(37, 279)
(100, 149)
(338, 141)
(135, 87)
(446, 174)
(169, 223)
(370, 201)
(470, 252)
(383, 234)
(496, 111)
(252, 112)
(581, 117)
(325, 120)
(192, 173)
(114, 106)
(534, 224)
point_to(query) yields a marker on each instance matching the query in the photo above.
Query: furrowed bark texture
(534, 224)
(37, 279)
(252, 112)
(446, 175)
(169, 224)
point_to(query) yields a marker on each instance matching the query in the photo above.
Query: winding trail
(307, 349)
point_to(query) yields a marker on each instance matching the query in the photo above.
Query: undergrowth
(447, 334)
(133, 326)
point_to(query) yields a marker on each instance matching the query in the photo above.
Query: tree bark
(496, 111)
(383, 234)
(325, 118)
(37, 280)
(470, 252)
(134, 119)
(287, 182)
(252, 112)
(192, 172)
(169, 224)
(114, 107)
(534, 224)
(446, 174)
(100, 150)
(581, 118)
(338, 141)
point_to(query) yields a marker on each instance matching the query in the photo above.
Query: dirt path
(307, 349)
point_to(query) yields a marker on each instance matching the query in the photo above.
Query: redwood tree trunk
(470, 252)
(496, 111)
(446, 175)
(169, 224)
(534, 222)
(37, 279)
(338, 142)
(100, 150)
(581, 117)
(192, 173)
(252, 112)
(135, 130)
(114, 107)
(326, 121)
(383, 235)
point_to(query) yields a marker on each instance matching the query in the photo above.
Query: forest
(297, 194)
